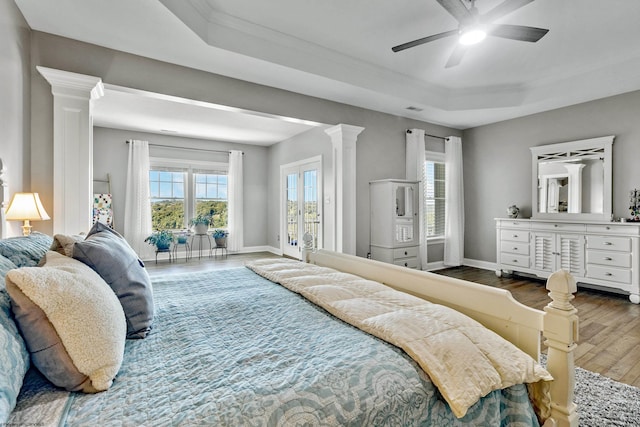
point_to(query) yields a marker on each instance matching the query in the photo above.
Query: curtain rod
(432, 136)
(189, 148)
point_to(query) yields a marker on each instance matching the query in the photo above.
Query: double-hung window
(211, 196)
(167, 191)
(434, 195)
(180, 191)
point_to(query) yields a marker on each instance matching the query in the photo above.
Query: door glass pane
(292, 209)
(311, 213)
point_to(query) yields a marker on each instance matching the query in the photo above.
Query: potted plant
(160, 239)
(220, 236)
(201, 223)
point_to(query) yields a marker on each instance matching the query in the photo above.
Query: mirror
(572, 180)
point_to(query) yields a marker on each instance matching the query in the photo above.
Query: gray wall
(110, 153)
(497, 161)
(15, 146)
(380, 148)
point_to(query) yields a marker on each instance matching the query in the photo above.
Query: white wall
(497, 161)
(15, 146)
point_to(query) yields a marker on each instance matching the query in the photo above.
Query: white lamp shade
(26, 206)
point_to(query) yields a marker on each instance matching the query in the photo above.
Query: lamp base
(26, 228)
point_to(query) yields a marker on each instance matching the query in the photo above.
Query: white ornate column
(73, 96)
(343, 140)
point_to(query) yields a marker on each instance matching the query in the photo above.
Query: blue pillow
(14, 358)
(109, 255)
(26, 251)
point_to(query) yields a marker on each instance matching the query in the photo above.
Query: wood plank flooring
(609, 336)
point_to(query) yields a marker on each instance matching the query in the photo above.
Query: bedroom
(492, 182)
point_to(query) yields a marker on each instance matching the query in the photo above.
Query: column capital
(65, 83)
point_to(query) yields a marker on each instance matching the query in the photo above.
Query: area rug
(603, 402)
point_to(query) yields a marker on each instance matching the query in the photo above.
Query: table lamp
(26, 207)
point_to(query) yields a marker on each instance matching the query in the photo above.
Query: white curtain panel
(415, 172)
(235, 241)
(454, 204)
(137, 209)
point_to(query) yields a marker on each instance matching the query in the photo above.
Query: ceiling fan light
(472, 36)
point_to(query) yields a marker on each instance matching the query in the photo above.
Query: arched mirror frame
(572, 151)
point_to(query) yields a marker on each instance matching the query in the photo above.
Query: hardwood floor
(609, 335)
(609, 329)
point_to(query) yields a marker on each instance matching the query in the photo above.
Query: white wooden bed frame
(497, 310)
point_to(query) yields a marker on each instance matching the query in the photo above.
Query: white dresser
(394, 227)
(603, 254)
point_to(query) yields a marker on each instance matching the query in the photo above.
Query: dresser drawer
(614, 229)
(619, 275)
(514, 235)
(558, 226)
(405, 252)
(514, 223)
(608, 243)
(407, 262)
(614, 259)
(517, 248)
(514, 260)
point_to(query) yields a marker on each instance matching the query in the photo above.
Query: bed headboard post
(561, 333)
(4, 200)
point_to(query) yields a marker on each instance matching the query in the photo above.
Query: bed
(234, 348)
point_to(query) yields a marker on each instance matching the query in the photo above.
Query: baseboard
(432, 266)
(252, 249)
(485, 265)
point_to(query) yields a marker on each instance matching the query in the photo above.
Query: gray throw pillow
(109, 254)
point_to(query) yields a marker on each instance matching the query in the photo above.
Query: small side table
(200, 238)
(164, 251)
(222, 247)
(187, 249)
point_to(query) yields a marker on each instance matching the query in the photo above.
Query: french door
(301, 206)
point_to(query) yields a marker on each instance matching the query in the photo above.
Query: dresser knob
(406, 264)
(406, 253)
(607, 258)
(608, 274)
(607, 243)
(515, 235)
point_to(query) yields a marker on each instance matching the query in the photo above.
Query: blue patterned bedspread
(230, 348)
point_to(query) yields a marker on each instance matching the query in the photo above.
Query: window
(179, 193)
(211, 197)
(166, 189)
(434, 195)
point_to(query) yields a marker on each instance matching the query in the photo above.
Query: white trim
(188, 163)
(485, 265)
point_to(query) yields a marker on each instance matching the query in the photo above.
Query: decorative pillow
(14, 358)
(64, 244)
(71, 321)
(25, 251)
(109, 254)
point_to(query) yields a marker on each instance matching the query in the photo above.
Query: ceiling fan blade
(423, 40)
(456, 55)
(457, 9)
(518, 32)
(504, 8)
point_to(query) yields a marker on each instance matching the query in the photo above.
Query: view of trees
(169, 214)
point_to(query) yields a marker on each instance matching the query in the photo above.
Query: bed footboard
(497, 310)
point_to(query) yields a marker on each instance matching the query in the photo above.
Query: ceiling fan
(474, 27)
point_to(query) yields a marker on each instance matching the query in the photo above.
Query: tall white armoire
(394, 222)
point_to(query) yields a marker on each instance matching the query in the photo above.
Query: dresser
(605, 255)
(394, 227)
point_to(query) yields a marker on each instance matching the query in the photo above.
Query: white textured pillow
(72, 322)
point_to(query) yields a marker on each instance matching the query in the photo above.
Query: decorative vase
(221, 242)
(201, 228)
(513, 211)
